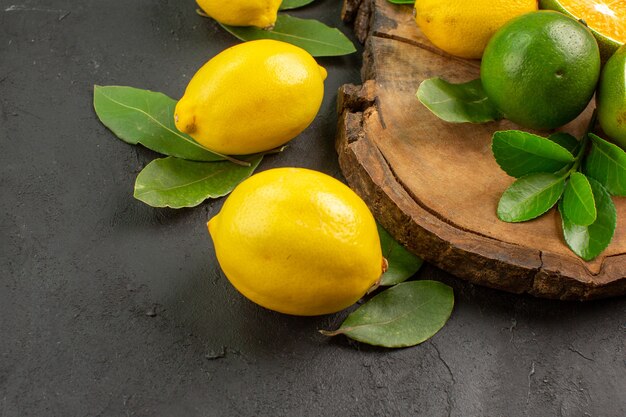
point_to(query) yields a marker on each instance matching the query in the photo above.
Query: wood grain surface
(435, 185)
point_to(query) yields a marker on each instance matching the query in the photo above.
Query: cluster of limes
(540, 68)
(292, 240)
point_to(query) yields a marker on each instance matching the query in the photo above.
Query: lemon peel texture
(297, 241)
(252, 97)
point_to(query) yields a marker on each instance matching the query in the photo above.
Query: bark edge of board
(479, 259)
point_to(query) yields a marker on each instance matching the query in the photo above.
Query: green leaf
(401, 1)
(457, 103)
(405, 315)
(566, 140)
(147, 117)
(578, 204)
(519, 153)
(311, 35)
(173, 182)
(607, 164)
(530, 196)
(589, 241)
(402, 263)
(293, 4)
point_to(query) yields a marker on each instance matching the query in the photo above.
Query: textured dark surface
(111, 308)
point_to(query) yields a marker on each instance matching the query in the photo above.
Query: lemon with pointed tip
(259, 13)
(297, 241)
(252, 97)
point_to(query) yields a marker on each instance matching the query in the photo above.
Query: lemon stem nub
(201, 13)
(185, 124)
(385, 266)
(375, 286)
(323, 72)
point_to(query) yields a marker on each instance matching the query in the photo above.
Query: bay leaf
(606, 163)
(589, 241)
(404, 315)
(176, 183)
(311, 35)
(530, 196)
(520, 153)
(294, 4)
(578, 204)
(402, 264)
(457, 103)
(146, 117)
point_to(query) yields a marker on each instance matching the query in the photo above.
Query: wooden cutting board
(435, 186)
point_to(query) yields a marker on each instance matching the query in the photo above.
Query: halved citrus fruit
(605, 18)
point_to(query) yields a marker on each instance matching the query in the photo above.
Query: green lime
(541, 69)
(611, 97)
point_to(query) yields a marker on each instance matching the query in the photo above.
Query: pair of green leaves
(311, 35)
(406, 314)
(547, 173)
(191, 173)
(536, 161)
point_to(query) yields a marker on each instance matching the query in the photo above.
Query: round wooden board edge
(475, 258)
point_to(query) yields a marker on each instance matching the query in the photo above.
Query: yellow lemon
(463, 28)
(252, 97)
(259, 13)
(297, 241)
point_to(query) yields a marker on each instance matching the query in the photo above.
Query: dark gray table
(112, 308)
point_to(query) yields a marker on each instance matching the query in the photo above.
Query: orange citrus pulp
(605, 16)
